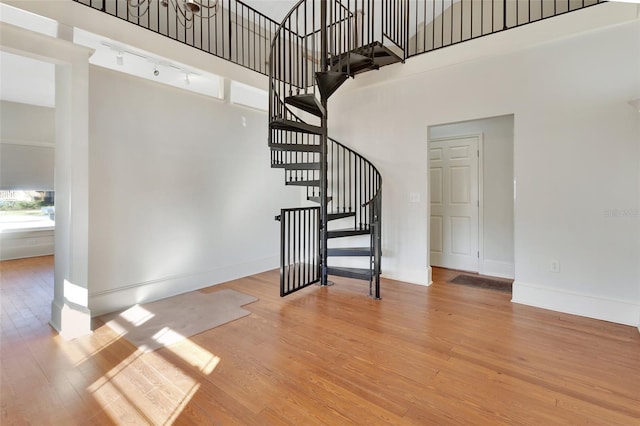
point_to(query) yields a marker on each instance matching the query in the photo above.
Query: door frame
(480, 179)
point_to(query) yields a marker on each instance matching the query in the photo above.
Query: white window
(26, 210)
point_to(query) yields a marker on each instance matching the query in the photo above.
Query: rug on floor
(153, 325)
(482, 282)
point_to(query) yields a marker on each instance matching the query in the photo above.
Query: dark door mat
(482, 282)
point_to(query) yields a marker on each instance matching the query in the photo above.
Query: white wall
(496, 253)
(575, 155)
(26, 243)
(182, 194)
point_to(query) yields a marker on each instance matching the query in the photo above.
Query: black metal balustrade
(243, 35)
(237, 32)
(435, 24)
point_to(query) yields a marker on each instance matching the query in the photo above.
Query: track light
(173, 70)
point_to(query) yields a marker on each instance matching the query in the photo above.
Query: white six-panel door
(453, 177)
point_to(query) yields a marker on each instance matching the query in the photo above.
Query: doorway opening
(471, 192)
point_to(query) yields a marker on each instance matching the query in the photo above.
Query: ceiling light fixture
(185, 10)
(158, 63)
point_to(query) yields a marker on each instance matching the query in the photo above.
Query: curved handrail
(369, 163)
(377, 175)
(296, 50)
(283, 78)
(274, 41)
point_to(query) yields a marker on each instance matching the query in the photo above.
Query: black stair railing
(356, 187)
(395, 22)
(354, 183)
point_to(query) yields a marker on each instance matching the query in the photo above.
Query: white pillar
(70, 313)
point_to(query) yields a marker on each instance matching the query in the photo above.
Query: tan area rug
(471, 280)
(153, 325)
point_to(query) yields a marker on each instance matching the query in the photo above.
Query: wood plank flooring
(445, 354)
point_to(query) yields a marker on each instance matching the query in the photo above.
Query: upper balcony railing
(434, 24)
(237, 32)
(241, 34)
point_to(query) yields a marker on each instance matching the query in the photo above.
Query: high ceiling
(30, 81)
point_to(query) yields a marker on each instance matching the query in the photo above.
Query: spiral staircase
(318, 46)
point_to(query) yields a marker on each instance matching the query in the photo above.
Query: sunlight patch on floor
(130, 383)
(195, 355)
(137, 315)
(167, 336)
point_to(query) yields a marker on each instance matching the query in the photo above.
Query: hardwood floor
(446, 354)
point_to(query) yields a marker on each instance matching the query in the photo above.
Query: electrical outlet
(555, 266)
(414, 197)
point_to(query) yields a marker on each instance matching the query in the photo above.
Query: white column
(70, 313)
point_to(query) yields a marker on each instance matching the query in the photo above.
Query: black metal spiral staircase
(318, 46)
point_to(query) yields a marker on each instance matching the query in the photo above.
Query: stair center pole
(323, 142)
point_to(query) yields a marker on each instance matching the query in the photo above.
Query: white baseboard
(418, 277)
(586, 305)
(22, 244)
(123, 297)
(70, 320)
(494, 268)
(429, 275)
